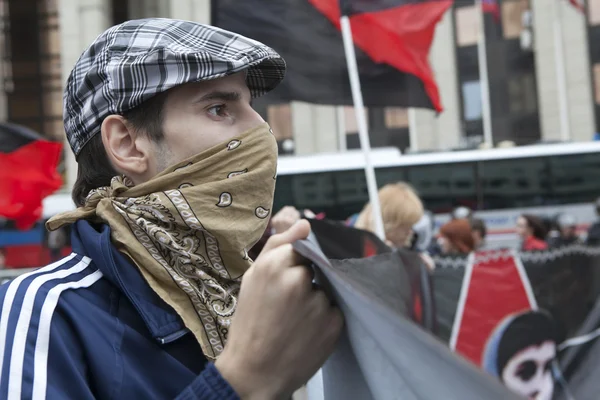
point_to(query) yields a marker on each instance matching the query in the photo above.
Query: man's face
(198, 116)
(529, 374)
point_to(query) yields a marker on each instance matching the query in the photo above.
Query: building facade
(42, 39)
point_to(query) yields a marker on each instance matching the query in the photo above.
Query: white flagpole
(484, 82)
(413, 131)
(561, 77)
(362, 125)
(340, 117)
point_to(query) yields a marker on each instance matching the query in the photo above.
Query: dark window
(575, 178)
(339, 194)
(515, 183)
(445, 186)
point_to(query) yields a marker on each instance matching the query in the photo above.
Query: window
(396, 117)
(31, 65)
(471, 94)
(593, 12)
(445, 186)
(390, 175)
(350, 123)
(279, 118)
(522, 97)
(514, 183)
(575, 178)
(337, 194)
(467, 25)
(515, 17)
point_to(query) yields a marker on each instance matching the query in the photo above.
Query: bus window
(390, 175)
(284, 194)
(313, 191)
(445, 186)
(575, 178)
(519, 182)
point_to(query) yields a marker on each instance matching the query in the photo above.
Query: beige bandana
(189, 229)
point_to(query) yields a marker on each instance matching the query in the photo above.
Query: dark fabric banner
(528, 319)
(564, 285)
(313, 49)
(382, 354)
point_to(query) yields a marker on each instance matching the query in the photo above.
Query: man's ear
(128, 151)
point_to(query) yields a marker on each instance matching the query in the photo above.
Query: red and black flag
(578, 4)
(393, 38)
(28, 173)
(491, 7)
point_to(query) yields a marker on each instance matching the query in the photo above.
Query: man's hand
(285, 219)
(283, 329)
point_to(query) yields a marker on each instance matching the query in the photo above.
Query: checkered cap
(131, 62)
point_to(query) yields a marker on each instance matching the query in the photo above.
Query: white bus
(499, 184)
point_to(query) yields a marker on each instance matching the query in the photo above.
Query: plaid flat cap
(133, 61)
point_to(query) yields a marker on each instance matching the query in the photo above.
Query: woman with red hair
(456, 237)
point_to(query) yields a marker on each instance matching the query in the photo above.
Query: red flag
(27, 175)
(491, 7)
(495, 286)
(395, 32)
(578, 4)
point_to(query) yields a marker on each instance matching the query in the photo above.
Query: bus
(498, 184)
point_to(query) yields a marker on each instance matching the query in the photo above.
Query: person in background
(593, 236)
(401, 208)
(422, 238)
(478, 231)
(532, 232)
(567, 232)
(456, 238)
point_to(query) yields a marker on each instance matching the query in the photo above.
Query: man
(175, 183)
(565, 232)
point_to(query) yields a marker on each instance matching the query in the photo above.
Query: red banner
(495, 286)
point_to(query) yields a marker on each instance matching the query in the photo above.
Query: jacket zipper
(173, 336)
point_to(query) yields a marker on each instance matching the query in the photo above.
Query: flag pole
(362, 125)
(484, 80)
(561, 77)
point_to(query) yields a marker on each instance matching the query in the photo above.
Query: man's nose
(251, 118)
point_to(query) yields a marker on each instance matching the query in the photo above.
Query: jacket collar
(94, 241)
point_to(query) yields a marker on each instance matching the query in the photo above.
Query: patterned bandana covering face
(188, 229)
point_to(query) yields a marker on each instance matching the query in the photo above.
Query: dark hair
(93, 167)
(479, 226)
(531, 328)
(537, 226)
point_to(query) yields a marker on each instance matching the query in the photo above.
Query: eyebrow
(219, 95)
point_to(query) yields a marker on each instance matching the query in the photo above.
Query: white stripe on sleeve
(40, 371)
(9, 298)
(15, 374)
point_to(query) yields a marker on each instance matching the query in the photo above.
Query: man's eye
(217, 111)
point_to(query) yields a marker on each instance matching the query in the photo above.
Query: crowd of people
(408, 224)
